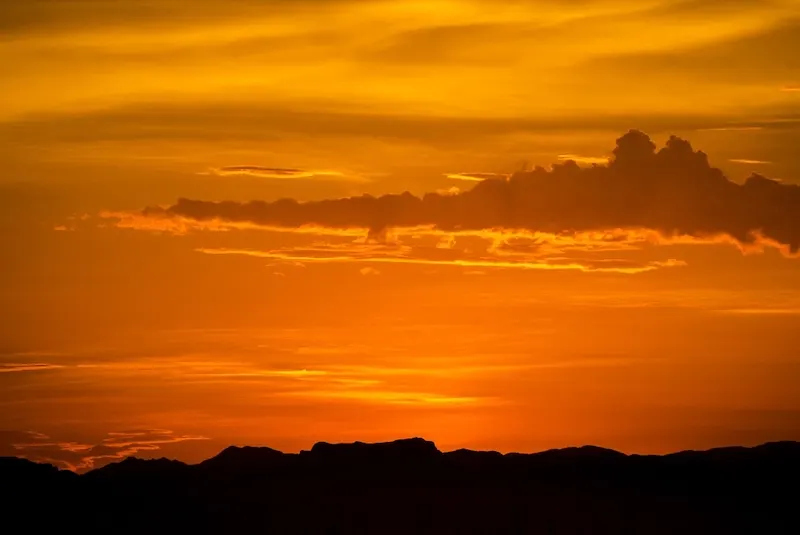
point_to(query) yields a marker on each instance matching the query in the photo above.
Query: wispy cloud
(761, 311)
(80, 456)
(29, 367)
(367, 271)
(583, 159)
(280, 173)
(156, 222)
(749, 162)
(317, 256)
(392, 397)
(476, 177)
(731, 129)
(287, 374)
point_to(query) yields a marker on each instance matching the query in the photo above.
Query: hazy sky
(649, 307)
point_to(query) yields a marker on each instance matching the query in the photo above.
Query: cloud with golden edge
(673, 193)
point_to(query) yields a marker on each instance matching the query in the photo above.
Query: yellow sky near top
(442, 57)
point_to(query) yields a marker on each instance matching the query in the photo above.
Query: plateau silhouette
(409, 486)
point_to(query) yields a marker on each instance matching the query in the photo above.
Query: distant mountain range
(409, 486)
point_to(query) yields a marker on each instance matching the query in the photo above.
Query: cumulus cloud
(673, 192)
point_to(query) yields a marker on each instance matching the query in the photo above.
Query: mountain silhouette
(409, 486)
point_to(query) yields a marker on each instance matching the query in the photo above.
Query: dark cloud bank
(673, 190)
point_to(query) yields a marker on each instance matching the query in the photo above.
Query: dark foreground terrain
(409, 487)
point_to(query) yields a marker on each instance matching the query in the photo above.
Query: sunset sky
(550, 279)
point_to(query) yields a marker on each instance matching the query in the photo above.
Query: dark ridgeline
(409, 486)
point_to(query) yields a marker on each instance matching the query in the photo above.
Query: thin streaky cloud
(749, 162)
(573, 265)
(17, 368)
(762, 311)
(389, 397)
(280, 173)
(603, 160)
(476, 177)
(732, 129)
(183, 225)
(287, 374)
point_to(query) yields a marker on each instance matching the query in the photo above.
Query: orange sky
(644, 328)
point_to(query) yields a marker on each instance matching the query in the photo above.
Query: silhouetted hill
(24, 472)
(409, 486)
(236, 458)
(140, 469)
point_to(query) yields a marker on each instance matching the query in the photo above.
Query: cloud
(273, 172)
(47, 16)
(150, 220)
(732, 129)
(367, 271)
(764, 52)
(583, 159)
(422, 399)
(791, 88)
(80, 456)
(258, 123)
(761, 311)
(282, 374)
(749, 162)
(673, 192)
(475, 177)
(454, 190)
(30, 367)
(406, 255)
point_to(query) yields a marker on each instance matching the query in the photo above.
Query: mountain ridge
(410, 487)
(419, 446)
